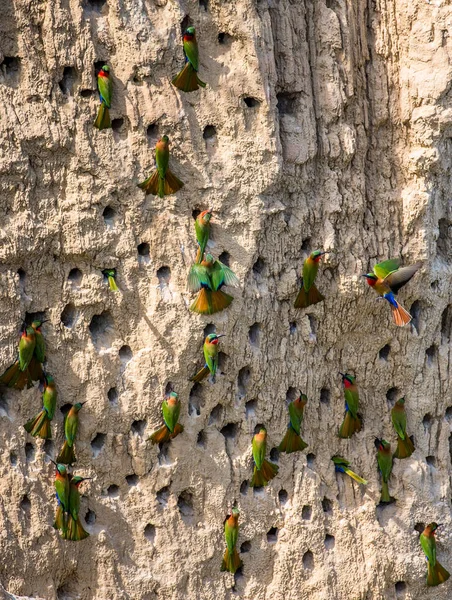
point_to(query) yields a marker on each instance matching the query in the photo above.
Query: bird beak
(45, 321)
(56, 464)
(364, 275)
(221, 335)
(83, 403)
(342, 374)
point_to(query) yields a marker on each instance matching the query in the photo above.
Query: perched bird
(202, 229)
(209, 277)
(211, 358)
(39, 426)
(105, 87)
(171, 427)
(387, 279)
(405, 447)
(292, 441)
(351, 423)
(75, 530)
(341, 466)
(384, 460)
(67, 454)
(309, 294)
(263, 469)
(187, 80)
(162, 182)
(27, 367)
(231, 559)
(110, 274)
(62, 487)
(436, 573)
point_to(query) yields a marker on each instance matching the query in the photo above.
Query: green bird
(202, 229)
(27, 367)
(162, 182)
(405, 447)
(39, 426)
(67, 454)
(292, 441)
(27, 346)
(385, 462)
(351, 423)
(40, 345)
(171, 427)
(231, 559)
(309, 294)
(62, 487)
(207, 278)
(75, 530)
(187, 80)
(211, 358)
(341, 466)
(110, 274)
(436, 573)
(105, 87)
(263, 469)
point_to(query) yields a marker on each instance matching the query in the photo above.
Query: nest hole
(30, 452)
(185, 504)
(68, 80)
(283, 497)
(69, 315)
(113, 491)
(327, 505)
(244, 487)
(384, 352)
(215, 415)
(139, 426)
(90, 517)
(329, 542)
(306, 512)
(113, 395)
(149, 533)
(251, 102)
(229, 431)
(75, 277)
(245, 547)
(97, 443)
(163, 495)
(164, 275)
(272, 535)
(250, 409)
(308, 561)
(325, 396)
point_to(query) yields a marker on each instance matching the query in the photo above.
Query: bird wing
(105, 87)
(197, 278)
(170, 415)
(399, 278)
(429, 548)
(399, 422)
(295, 418)
(222, 275)
(383, 269)
(192, 53)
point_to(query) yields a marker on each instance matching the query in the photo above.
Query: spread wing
(399, 278)
(383, 269)
(222, 275)
(197, 278)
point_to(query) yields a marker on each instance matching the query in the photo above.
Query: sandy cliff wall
(324, 124)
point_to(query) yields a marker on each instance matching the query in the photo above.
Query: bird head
(173, 399)
(400, 402)
(214, 338)
(347, 379)
(164, 139)
(371, 278)
(106, 69)
(317, 255)
(190, 31)
(205, 215)
(77, 480)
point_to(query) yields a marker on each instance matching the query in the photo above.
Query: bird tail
(405, 448)
(305, 299)
(75, 531)
(292, 442)
(400, 315)
(66, 455)
(112, 284)
(172, 184)
(436, 574)
(177, 429)
(231, 561)
(350, 425)
(39, 426)
(263, 475)
(355, 476)
(34, 370)
(385, 496)
(187, 80)
(58, 523)
(13, 377)
(201, 374)
(208, 302)
(158, 186)
(161, 436)
(103, 120)
(151, 184)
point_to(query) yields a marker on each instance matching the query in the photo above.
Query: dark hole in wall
(250, 409)
(195, 213)
(430, 354)
(208, 329)
(427, 422)
(75, 277)
(292, 328)
(113, 490)
(325, 396)
(259, 266)
(143, 249)
(283, 497)
(68, 316)
(274, 455)
(22, 276)
(68, 80)
(149, 533)
(419, 527)
(225, 258)
(450, 447)
(400, 587)
(229, 431)
(272, 535)
(66, 408)
(49, 448)
(306, 512)
(258, 427)
(251, 102)
(139, 426)
(100, 326)
(243, 380)
(13, 458)
(327, 505)
(163, 495)
(446, 325)
(204, 4)
(431, 461)
(215, 415)
(4, 408)
(392, 395)
(292, 394)
(25, 504)
(164, 275)
(125, 354)
(201, 439)
(313, 324)
(449, 413)
(308, 560)
(186, 22)
(132, 480)
(152, 132)
(244, 487)
(90, 517)
(209, 133)
(185, 504)
(245, 547)
(415, 312)
(329, 542)
(29, 452)
(287, 103)
(384, 352)
(113, 395)
(10, 65)
(97, 443)
(96, 6)
(109, 215)
(254, 334)
(310, 460)
(86, 93)
(196, 400)
(98, 64)
(224, 38)
(117, 124)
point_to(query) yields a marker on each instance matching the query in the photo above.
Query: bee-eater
(351, 423)
(75, 530)
(384, 460)
(171, 427)
(405, 447)
(62, 487)
(27, 367)
(110, 274)
(40, 345)
(263, 469)
(211, 358)
(187, 80)
(67, 454)
(209, 277)
(387, 279)
(436, 573)
(231, 559)
(202, 229)
(105, 87)
(309, 294)
(341, 466)
(162, 182)
(39, 426)
(292, 441)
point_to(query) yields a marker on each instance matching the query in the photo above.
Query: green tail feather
(231, 562)
(75, 531)
(355, 476)
(39, 426)
(350, 425)
(405, 448)
(263, 475)
(103, 120)
(436, 574)
(187, 80)
(305, 299)
(292, 442)
(66, 455)
(112, 283)
(386, 498)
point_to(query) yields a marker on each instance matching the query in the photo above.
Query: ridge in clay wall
(325, 124)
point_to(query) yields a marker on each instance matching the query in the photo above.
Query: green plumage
(436, 573)
(27, 345)
(40, 345)
(405, 447)
(202, 229)
(212, 274)
(171, 411)
(385, 463)
(187, 80)
(211, 357)
(263, 469)
(105, 86)
(110, 274)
